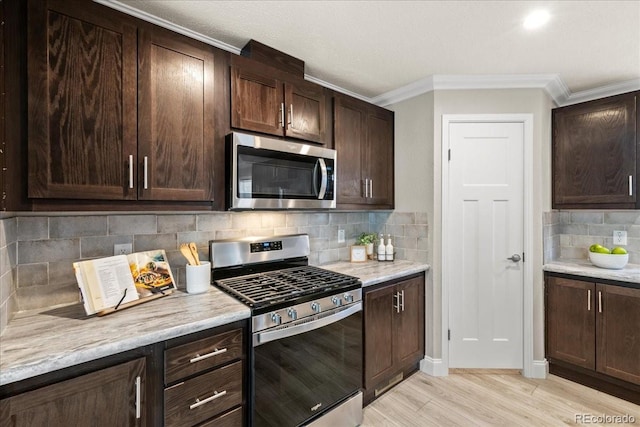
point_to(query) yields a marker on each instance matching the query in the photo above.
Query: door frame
(527, 311)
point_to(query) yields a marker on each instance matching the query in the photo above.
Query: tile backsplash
(37, 251)
(568, 234)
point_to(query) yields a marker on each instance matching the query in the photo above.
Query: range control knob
(315, 306)
(348, 297)
(336, 301)
(276, 318)
(293, 314)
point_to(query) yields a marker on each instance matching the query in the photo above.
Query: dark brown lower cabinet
(393, 333)
(108, 397)
(593, 334)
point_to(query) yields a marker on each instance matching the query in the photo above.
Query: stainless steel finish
(234, 252)
(599, 301)
(285, 147)
(303, 311)
(215, 395)
(371, 188)
(589, 300)
(515, 258)
(631, 185)
(208, 355)
(146, 169)
(130, 171)
(138, 395)
(281, 123)
(315, 306)
(292, 313)
(337, 301)
(323, 185)
(305, 325)
(290, 121)
(349, 413)
(348, 297)
(396, 297)
(276, 318)
(402, 303)
(366, 188)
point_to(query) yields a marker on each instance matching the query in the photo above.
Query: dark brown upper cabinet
(175, 117)
(267, 100)
(363, 138)
(118, 109)
(596, 154)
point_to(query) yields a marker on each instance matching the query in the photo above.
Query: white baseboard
(434, 367)
(540, 369)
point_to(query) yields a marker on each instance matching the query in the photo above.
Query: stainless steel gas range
(306, 356)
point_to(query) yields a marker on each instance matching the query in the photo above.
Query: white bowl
(611, 261)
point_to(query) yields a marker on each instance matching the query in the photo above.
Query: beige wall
(415, 147)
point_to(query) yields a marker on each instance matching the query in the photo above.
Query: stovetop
(273, 289)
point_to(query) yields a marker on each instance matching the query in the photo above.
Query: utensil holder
(198, 277)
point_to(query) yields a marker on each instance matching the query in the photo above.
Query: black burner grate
(262, 289)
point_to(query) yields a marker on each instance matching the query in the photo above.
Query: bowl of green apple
(613, 259)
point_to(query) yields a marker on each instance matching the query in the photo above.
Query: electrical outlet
(619, 237)
(340, 236)
(122, 249)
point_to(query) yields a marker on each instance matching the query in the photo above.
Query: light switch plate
(122, 249)
(619, 237)
(340, 236)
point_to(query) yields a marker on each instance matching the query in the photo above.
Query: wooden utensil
(194, 252)
(186, 252)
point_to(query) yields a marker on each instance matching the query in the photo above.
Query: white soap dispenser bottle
(381, 249)
(388, 250)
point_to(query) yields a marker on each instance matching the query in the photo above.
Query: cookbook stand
(126, 305)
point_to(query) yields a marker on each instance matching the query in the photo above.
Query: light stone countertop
(43, 341)
(46, 340)
(582, 267)
(374, 272)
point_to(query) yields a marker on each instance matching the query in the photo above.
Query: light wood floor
(482, 399)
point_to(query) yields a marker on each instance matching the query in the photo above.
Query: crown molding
(551, 83)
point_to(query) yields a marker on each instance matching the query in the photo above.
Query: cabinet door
(595, 154)
(176, 129)
(408, 336)
(305, 105)
(256, 101)
(106, 397)
(618, 332)
(571, 321)
(379, 157)
(378, 319)
(350, 121)
(81, 100)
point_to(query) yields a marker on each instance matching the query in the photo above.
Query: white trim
(433, 367)
(527, 121)
(603, 91)
(540, 369)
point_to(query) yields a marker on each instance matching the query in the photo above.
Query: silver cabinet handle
(130, 170)
(290, 120)
(138, 392)
(403, 300)
(366, 188)
(371, 188)
(589, 300)
(208, 355)
(631, 185)
(599, 302)
(396, 296)
(208, 399)
(282, 114)
(146, 169)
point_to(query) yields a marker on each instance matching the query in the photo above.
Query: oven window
(267, 174)
(299, 377)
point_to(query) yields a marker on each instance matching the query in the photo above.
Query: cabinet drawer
(203, 397)
(197, 356)
(230, 419)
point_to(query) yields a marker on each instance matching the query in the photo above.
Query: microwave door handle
(323, 185)
(316, 191)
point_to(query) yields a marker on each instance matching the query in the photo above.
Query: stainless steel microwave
(268, 173)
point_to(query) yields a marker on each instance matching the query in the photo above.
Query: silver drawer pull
(208, 399)
(206, 356)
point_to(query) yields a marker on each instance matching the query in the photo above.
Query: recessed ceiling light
(536, 19)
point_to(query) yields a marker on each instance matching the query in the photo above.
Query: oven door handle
(265, 337)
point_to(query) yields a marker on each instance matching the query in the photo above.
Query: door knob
(515, 258)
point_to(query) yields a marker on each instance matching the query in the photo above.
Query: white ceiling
(373, 48)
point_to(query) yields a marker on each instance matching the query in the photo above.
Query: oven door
(275, 174)
(304, 370)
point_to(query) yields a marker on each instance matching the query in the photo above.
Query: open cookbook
(107, 284)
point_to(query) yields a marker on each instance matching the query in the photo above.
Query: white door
(485, 229)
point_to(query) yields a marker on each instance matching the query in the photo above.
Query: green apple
(602, 250)
(618, 250)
